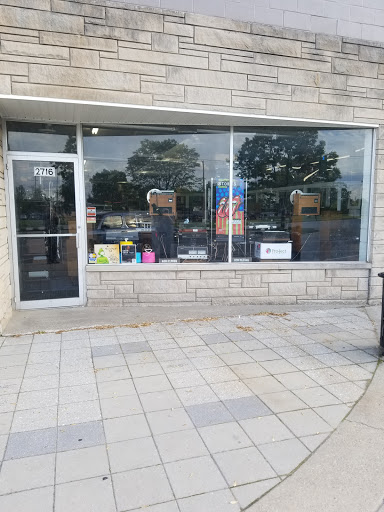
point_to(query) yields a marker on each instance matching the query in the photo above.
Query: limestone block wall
(110, 51)
(240, 284)
(353, 18)
(5, 283)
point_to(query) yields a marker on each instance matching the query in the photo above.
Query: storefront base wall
(5, 283)
(268, 284)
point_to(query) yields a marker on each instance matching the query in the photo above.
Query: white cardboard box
(275, 251)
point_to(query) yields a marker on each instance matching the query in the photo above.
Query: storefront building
(160, 157)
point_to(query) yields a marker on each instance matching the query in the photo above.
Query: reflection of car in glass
(116, 227)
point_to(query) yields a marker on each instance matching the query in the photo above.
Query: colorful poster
(107, 254)
(222, 209)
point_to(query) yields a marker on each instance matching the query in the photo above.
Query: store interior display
(161, 194)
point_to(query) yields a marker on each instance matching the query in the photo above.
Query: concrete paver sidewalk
(188, 416)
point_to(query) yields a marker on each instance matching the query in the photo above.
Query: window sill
(264, 265)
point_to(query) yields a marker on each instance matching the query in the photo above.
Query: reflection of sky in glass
(112, 152)
(349, 143)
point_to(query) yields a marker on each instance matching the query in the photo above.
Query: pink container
(148, 257)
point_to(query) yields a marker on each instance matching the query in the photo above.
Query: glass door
(45, 232)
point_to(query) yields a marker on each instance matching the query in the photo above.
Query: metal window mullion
(230, 195)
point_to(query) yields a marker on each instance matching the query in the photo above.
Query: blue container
(138, 257)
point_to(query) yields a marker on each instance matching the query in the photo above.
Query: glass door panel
(45, 229)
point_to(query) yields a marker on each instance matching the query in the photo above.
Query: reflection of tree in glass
(269, 161)
(111, 187)
(165, 165)
(66, 172)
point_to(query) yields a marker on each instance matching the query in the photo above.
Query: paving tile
(27, 473)
(160, 400)
(316, 348)
(220, 374)
(78, 378)
(199, 351)
(178, 365)
(125, 428)
(46, 338)
(214, 338)
(171, 354)
(17, 349)
(239, 336)
(249, 370)
(120, 406)
(141, 488)
(114, 373)
(209, 414)
(231, 390)
(282, 401)
(44, 357)
(129, 339)
(224, 437)
(3, 445)
(184, 444)
(267, 384)
(132, 348)
(266, 429)
(145, 369)
(338, 345)
(304, 423)
(72, 394)
(246, 494)
(79, 412)
(34, 419)
(306, 363)
(171, 420)
(224, 348)
(209, 361)
(9, 386)
(153, 383)
(316, 396)
(312, 442)
(326, 376)
(247, 407)
(101, 333)
(37, 500)
(188, 341)
(115, 388)
(218, 501)
(333, 359)
(31, 443)
(36, 399)
(74, 335)
(94, 494)
(13, 360)
(108, 361)
(79, 464)
(359, 356)
(194, 476)
(196, 395)
(42, 382)
(37, 370)
(186, 379)
(236, 358)
(102, 342)
(345, 391)
(354, 372)
(74, 437)
(162, 344)
(262, 355)
(243, 466)
(75, 343)
(8, 402)
(106, 350)
(333, 414)
(284, 456)
(140, 357)
(295, 380)
(133, 454)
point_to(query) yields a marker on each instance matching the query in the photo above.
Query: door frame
(80, 233)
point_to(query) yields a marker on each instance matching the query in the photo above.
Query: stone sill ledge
(289, 265)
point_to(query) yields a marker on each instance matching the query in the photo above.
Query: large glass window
(306, 193)
(161, 194)
(151, 193)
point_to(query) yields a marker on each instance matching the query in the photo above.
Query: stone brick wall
(353, 18)
(110, 51)
(5, 283)
(214, 284)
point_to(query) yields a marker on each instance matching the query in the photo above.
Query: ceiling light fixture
(95, 131)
